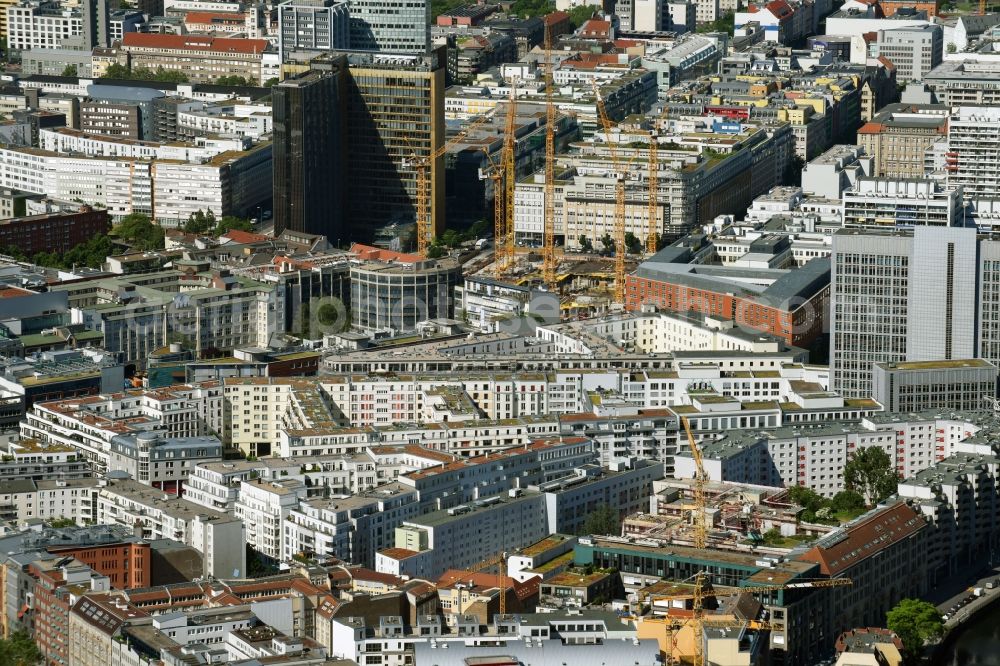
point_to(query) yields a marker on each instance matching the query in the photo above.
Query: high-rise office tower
(393, 26)
(308, 155)
(927, 295)
(395, 122)
(313, 25)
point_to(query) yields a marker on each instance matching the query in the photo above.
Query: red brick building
(788, 303)
(53, 232)
(127, 565)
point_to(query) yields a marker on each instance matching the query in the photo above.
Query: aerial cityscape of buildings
(411, 333)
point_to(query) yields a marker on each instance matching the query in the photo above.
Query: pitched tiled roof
(204, 43)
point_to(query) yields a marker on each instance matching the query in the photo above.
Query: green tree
(632, 243)
(117, 71)
(231, 222)
(435, 251)
(200, 222)
(70, 71)
(581, 14)
(915, 622)
(19, 650)
(585, 243)
(869, 471)
(140, 232)
(848, 501)
(608, 243)
(602, 520)
(451, 238)
(724, 23)
(234, 80)
(271, 81)
(532, 8)
(808, 499)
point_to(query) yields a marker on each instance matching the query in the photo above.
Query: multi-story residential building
(161, 462)
(313, 25)
(883, 202)
(53, 232)
(908, 296)
(263, 506)
(225, 313)
(900, 135)
(91, 425)
(25, 500)
(217, 536)
(202, 58)
(231, 183)
(914, 51)
(45, 24)
(31, 460)
(961, 384)
(973, 150)
(958, 497)
(353, 528)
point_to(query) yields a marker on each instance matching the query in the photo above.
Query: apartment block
(885, 202)
(163, 516)
(973, 150)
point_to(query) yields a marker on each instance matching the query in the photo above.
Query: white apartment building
(67, 140)
(351, 528)
(973, 150)
(883, 202)
(228, 184)
(263, 507)
(226, 119)
(90, 424)
(217, 536)
(75, 499)
(43, 25)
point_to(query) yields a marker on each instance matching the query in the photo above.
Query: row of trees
(633, 244)
(121, 72)
(205, 223)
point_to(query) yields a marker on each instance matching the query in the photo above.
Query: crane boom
(652, 235)
(510, 173)
(619, 228)
(700, 529)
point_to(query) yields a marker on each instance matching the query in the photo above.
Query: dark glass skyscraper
(308, 156)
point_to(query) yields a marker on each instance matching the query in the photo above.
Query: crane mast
(549, 210)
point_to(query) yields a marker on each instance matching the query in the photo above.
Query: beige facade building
(899, 136)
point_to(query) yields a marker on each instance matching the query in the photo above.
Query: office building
(391, 26)
(787, 303)
(910, 296)
(313, 25)
(395, 121)
(53, 232)
(913, 50)
(884, 202)
(202, 58)
(900, 135)
(391, 290)
(308, 157)
(962, 384)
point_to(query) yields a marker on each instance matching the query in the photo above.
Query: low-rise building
(916, 386)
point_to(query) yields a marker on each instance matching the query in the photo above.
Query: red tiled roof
(370, 253)
(555, 17)
(888, 63)
(238, 236)
(15, 292)
(213, 17)
(871, 128)
(398, 553)
(204, 43)
(866, 539)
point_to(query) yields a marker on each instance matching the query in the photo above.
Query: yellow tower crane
(700, 479)
(619, 235)
(420, 164)
(510, 174)
(653, 181)
(549, 205)
(499, 561)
